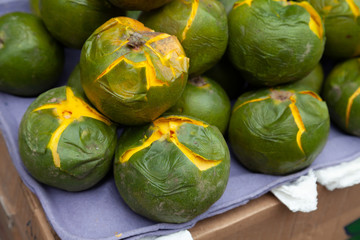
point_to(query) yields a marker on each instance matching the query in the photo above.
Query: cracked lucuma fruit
(143, 5)
(342, 26)
(342, 95)
(204, 99)
(313, 81)
(71, 22)
(130, 73)
(64, 142)
(200, 25)
(274, 42)
(31, 60)
(275, 131)
(173, 169)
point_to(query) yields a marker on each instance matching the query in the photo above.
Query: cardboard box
(22, 217)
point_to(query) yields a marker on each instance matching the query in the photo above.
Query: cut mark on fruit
(311, 93)
(251, 101)
(315, 23)
(299, 123)
(67, 111)
(147, 64)
(166, 128)
(194, 8)
(353, 7)
(349, 105)
(238, 4)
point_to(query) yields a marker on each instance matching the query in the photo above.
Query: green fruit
(144, 5)
(65, 143)
(342, 26)
(133, 14)
(200, 26)
(312, 82)
(228, 77)
(204, 99)
(274, 42)
(35, 8)
(31, 61)
(74, 81)
(130, 73)
(72, 21)
(342, 94)
(278, 132)
(228, 4)
(173, 169)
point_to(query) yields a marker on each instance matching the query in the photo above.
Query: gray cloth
(100, 213)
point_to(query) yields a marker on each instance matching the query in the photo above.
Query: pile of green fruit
(168, 78)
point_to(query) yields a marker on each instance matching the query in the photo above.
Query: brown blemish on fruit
(281, 95)
(349, 105)
(198, 82)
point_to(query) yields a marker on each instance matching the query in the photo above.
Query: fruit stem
(135, 40)
(198, 81)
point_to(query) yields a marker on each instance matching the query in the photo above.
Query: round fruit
(65, 143)
(144, 5)
(131, 73)
(342, 94)
(274, 42)
(35, 8)
(225, 74)
(200, 26)
(342, 26)
(30, 59)
(173, 169)
(204, 99)
(312, 82)
(74, 81)
(278, 132)
(72, 21)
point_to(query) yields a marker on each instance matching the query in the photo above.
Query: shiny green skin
(312, 82)
(339, 86)
(34, 6)
(263, 134)
(228, 4)
(133, 14)
(207, 37)
(74, 81)
(169, 187)
(144, 5)
(228, 77)
(206, 101)
(31, 61)
(342, 29)
(272, 44)
(71, 22)
(121, 95)
(85, 158)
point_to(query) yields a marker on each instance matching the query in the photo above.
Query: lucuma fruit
(274, 42)
(204, 99)
(144, 5)
(64, 142)
(173, 169)
(312, 82)
(131, 73)
(71, 22)
(342, 26)
(278, 132)
(342, 94)
(200, 25)
(31, 60)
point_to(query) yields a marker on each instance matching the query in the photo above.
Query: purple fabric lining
(100, 213)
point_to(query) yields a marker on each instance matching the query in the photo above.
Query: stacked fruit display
(153, 77)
